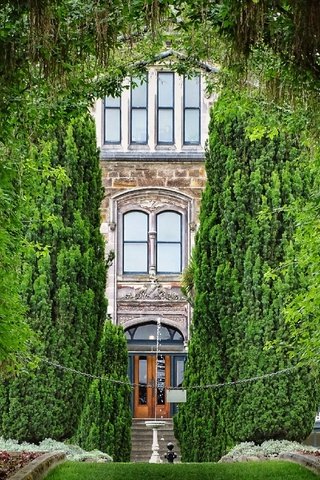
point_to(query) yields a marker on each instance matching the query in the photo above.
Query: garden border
(39, 467)
(304, 460)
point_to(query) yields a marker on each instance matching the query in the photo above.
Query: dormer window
(112, 123)
(159, 111)
(139, 112)
(191, 111)
(165, 108)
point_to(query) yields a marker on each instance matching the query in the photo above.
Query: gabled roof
(207, 67)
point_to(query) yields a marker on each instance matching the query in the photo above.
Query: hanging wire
(191, 387)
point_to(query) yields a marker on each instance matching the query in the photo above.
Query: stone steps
(141, 438)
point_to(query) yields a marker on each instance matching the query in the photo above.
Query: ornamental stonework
(147, 309)
(152, 291)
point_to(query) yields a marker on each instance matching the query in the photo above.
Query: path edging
(304, 460)
(39, 467)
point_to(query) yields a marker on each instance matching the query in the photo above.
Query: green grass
(270, 470)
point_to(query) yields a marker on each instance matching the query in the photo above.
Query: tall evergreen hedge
(106, 417)
(245, 235)
(63, 282)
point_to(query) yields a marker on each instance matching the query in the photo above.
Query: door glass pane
(139, 95)
(161, 379)
(143, 390)
(135, 227)
(112, 102)
(135, 258)
(165, 89)
(179, 372)
(192, 92)
(192, 126)
(139, 126)
(168, 258)
(112, 125)
(165, 126)
(169, 227)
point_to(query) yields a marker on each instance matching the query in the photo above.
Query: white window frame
(168, 108)
(193, 109)
(139, 108)
(152, 243)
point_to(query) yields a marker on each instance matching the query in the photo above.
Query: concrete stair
(141, 438)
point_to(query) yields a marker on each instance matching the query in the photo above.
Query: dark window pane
(135, 258)
(179, 372)
(192, 92)
(177, 337)
(149, 332)
(165, 126)
(143, 391)
(112, 125)
(192, 126)
(168, 227)
(135, 227)
(139, 126)
(169, 257)
(165, 89)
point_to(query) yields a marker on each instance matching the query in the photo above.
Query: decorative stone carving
(193, 226)
(152, 205)
(155, 199)
(124, 307)
(152, 291)
(179, 320)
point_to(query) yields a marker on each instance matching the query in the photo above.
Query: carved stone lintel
(148, 308)
(152, 291)
(179, 320)
(152, 205)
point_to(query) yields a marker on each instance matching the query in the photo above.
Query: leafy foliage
(246, 230)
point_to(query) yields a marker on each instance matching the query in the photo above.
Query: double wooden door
(151, 378)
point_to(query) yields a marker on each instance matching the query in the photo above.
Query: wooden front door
(151, 378)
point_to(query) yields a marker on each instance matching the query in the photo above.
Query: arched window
(135, 242)
(169, 242)
(149, 331)
(152, 243)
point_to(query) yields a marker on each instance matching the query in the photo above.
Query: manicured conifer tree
(106, 417)
(63, 283)
(245, 234)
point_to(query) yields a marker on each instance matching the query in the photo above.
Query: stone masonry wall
(121, 176)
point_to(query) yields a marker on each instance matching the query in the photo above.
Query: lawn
(270, 470)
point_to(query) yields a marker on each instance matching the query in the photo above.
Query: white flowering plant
(269, 448)
(73, 452)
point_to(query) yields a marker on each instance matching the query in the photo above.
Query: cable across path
(107, 378)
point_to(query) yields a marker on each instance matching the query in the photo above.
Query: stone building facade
(152, 142)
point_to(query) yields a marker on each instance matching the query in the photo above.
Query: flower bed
(267, 450)
(10, 462)
(15, 455)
